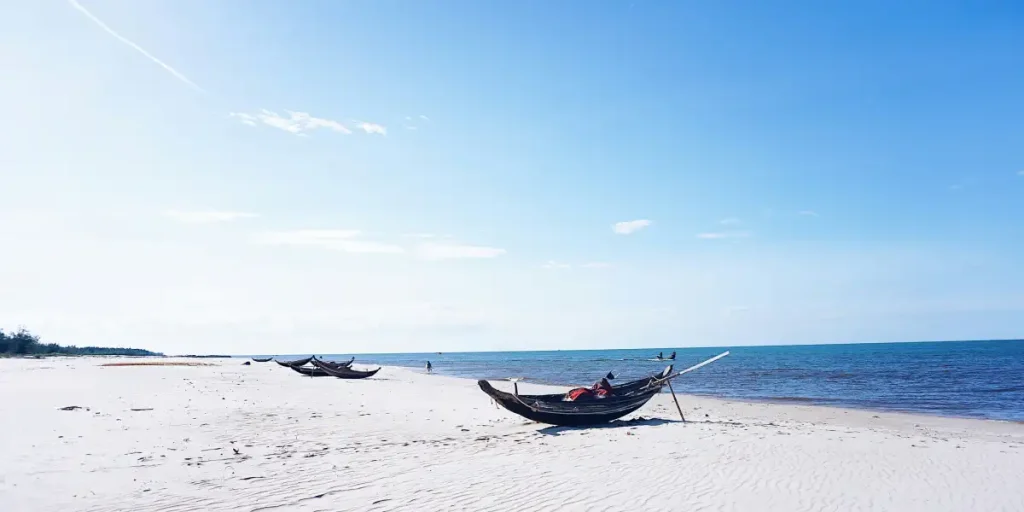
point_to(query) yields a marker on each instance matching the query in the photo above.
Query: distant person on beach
(429, 367)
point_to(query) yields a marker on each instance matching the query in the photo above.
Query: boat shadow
(636, 422)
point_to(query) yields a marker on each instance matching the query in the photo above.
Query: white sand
(407, 441)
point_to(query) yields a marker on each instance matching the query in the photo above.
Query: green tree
(24, 342)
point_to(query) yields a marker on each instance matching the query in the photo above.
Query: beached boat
(555, 409)
(344, 372)
(297, 362)
(262, 359)
(334, 364)
(310, 371)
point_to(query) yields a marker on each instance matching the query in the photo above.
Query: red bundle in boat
(576, 394)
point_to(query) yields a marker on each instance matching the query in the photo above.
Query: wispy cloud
(136, 47)
(597, 264)
(731, 221)
(371, 128)
(354, 241)
(1020, 173)
(723, 235)
(345, 240)
(630, 226)
(297, 122)
(207, 216)
(808, 213)
(440, 251)
(414, 123)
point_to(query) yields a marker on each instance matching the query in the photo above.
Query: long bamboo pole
(680, 409)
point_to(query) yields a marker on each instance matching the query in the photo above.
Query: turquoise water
(980, 379)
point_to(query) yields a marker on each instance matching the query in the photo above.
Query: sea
(975, 379)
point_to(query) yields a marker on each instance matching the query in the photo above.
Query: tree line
(24, 343)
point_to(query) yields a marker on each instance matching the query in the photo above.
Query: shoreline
(557, 387)
(795, 401)
(808, 412)
(231, 437)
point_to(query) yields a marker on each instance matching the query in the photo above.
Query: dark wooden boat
(262, 359)
(310, 371)
(297, 362)
(344, 372)
(334, 364)
(555, 410)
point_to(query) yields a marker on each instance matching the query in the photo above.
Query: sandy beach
(248, 438)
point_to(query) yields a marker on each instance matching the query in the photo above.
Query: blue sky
(326, 176)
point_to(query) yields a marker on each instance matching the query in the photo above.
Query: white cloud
(296, 122)
(413, 123)
(306, 236)
(1020, 173)
(371, 128)
(630, 226)
(436, 251)
(353, 241)
(207, 216)
(723, 235)
(597, 264)
(808, 213)
(244, 118)
(134, 46)
(731, 221)
(345, 240)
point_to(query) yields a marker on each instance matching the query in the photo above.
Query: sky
(391, 176)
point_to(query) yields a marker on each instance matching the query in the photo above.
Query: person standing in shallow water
(429, 367)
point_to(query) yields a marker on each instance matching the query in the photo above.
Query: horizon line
(976, 340)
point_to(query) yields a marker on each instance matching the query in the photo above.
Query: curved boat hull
(344, 372)
(333, 364)
(310, 371)
(297, 362)
(568, 414)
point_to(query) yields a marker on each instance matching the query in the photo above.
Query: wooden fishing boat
(262, 359)
(297, 362)
(344, 372)
(310, 371)
(555, 409)
(334, 364)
